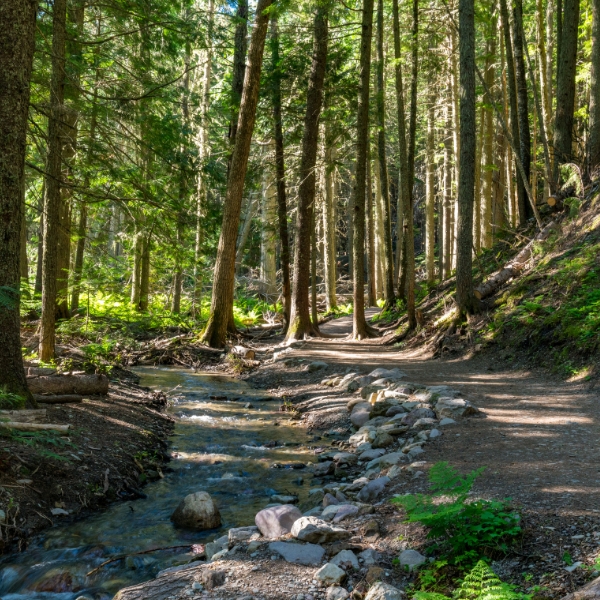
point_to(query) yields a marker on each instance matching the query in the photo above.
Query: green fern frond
(482, 583)
(429, 596)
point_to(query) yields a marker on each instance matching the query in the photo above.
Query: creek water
(218, 445)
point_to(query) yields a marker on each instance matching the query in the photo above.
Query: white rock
(390, 373)
(369, 557)
(454, 407)
(277, 521)
(317, 531)
(411, 559)
(57, 512)
(330, 574)
(243, 534)
(197, 511)
(384, 591)
(446, 421)
(337, 593)
(435, 433)
(302, 554)
(345, 559)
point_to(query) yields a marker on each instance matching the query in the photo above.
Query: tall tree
(17, 42)
(360, 327)
(282, 215)
(430, 191)
(300, 322)
(222, 298)
(565, 86)
(52, 198)
(466, 182)
(594, 133)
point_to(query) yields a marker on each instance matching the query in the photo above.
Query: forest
(220, 186)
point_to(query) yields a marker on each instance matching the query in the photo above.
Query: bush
(462, 529)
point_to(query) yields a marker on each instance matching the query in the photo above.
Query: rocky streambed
(328, 544)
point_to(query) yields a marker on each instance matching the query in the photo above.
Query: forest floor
(536, 436)
(116, 444)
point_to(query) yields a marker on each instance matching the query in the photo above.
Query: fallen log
(58, 399)
(62, 429)
(513, 268)
(243, 352)
(163, 587)
(69, 384)
(24, 416)
(590, 591)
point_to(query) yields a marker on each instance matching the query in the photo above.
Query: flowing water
(218, 446)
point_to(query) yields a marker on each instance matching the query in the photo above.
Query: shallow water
(217, 446)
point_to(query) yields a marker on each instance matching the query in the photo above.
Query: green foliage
(462, 529)
(42, 441)
(9, 401)
(481, 583)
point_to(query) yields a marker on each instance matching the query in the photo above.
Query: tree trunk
(360, 328)
(329, 223)
(145, 274)
(244, 233)
(512, 97)
(137, 268)
(40, 246)
(284, 239)
(525, 209)
(23, 266)
(466, 183)
(52, 198)
(379, 235)
(17, 43)
(488, 148)
(390, 296)
(594, 134)
(268, 267)
(430, 192)
(222, 298)
(447, 202)
(565, 87)
(314, 314)
(79, 251)
(69, 384)
(300, 324)
(239, 67)
(370, 226)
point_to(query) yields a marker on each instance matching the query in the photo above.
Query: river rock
(345, 458)
(243, 534)
(387, 373)
(384, 591)
(345, 559)
(330, 574)
(446, 421)
(302, 554)
(425, 423)
(344, 511)
(353, 402)
(411, 559)
(372, 490)
(366, 391)
(382, 440)
(336, 592)
(284, 499)
(417, 413)
(211, 578)
(369, 557)
(361, 413)
(414, 452)
(454, 407)
(329, 500)
(397, 409)
(324, 468)
(277, 521)
(434, 433)
(197, 511)
(387, 460)
(369, 455)
(443, 390)
(317, 531)
(316, 365)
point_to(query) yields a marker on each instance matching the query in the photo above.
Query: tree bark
(145, 274)
(79, 252)
(525, 209)
(565, 87)
(360, 328)
(329, 223)
(239, 66)
(300, 323)
(594, 133)
(222, 298)
(69, 384)
(430, 192)
(282, 216)
(390, 296)
(268, 267)
(466, 183)
(448, 169)
(52, 197)
(17, 43)
(370, 216)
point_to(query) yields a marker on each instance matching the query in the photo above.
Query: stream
(218, 445)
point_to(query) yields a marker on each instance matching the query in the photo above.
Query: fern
(462, 529)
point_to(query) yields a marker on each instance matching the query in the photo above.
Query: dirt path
(538, 438)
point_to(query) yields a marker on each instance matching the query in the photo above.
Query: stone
(374, 574)
(344, 511)
(446, 421)
(369, 455)
(301, 554)
(329, 500)
(366, 391)
(345, 458)
(373, 489)
(411, 559)
(370, 530)
(355, 402)
(363, 448)
(313, 512)
(222, 554)
(198, 512)
(352, 386)
(443, 390)
(253, 546)
(277, 521)
(387, 460)
(345, 559)
(434, 433)
(415, 414)
(324, 468)
(454, 408)
(316, 365)
(242, 534)
(336, 593)
(317, 531)
(212, 578)
(392, 411)
(369, 557)
(424, 423)
(380, 408)
(2, 516)
(330, 574)
(384, 591)
(383, 440)
(328, 513)
(414, 452)
(56, 512)
(394, 471)
(389, 373)
(423, 396)
(360, 415)
(284, 499)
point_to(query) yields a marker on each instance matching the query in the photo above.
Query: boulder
(330, 574)
(301, 554)
(277, 521)
(242, 534)
(344, 511)
(324, 468)
(359, 417)
(397, 409)
(336, 592)
(384, 591)
(424, 423)
(411, 559)
(346, 559)
(353, 402)
(380, 408)
(382, 440)
(366, 391)
(369, 455)
(345, 458)
(197, 511)
(387, 460)
(369, 557)
(454, 408)
(329, 500)
(316, 365)
(372, 490)
(317, 531)
(446, 421)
